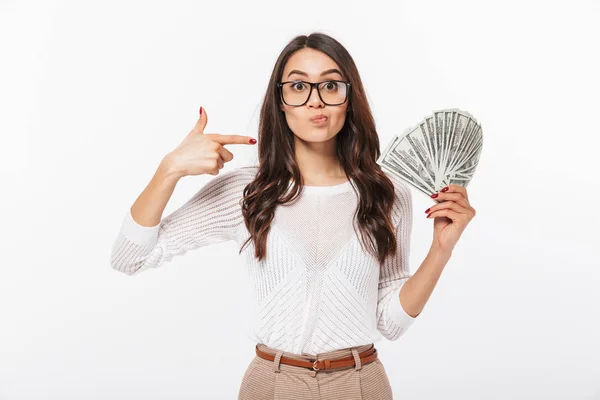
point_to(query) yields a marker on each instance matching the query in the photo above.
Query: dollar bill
(443, 149)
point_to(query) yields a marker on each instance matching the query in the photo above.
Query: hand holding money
(451, 216)
(438, 158)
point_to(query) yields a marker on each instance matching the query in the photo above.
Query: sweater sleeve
(212, 215)
(392, 319)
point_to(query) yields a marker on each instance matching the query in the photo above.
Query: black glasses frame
(312, 85)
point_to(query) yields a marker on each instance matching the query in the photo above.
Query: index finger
(452, 188)
(231, 139)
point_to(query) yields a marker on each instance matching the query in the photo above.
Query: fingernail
(253, 141)
(426, 211)
(444, 189)
(428, 215)
(433, 196)
(200, 110)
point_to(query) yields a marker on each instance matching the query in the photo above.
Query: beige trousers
(271, 380)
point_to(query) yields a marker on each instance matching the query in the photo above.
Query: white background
(94, 94)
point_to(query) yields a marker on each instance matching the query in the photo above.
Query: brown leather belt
(366, 357)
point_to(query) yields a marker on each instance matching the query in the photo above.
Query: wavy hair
(357, 146)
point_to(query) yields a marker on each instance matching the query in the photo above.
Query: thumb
(201, 123)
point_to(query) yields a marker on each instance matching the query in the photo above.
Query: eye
(330, 85)
(298, 86)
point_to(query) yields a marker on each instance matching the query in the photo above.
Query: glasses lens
(296, 93)
(333, 92)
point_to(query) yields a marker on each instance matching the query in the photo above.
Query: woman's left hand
(451, 216)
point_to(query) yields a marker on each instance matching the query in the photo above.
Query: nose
(314, 100)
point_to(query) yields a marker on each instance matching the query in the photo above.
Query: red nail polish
(433, 196)
(426, 211)
(253, 141)
(200, 110)
(428, 215)
(444, 189)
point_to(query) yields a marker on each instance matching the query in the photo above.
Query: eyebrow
(329, 71)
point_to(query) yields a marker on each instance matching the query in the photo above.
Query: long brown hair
(357, 147)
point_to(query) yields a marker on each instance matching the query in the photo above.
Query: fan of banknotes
(442, 149)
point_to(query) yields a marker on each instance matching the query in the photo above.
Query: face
(313, 66)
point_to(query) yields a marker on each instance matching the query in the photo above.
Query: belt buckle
(314, 367)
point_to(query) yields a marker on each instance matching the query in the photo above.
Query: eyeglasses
(297, 93)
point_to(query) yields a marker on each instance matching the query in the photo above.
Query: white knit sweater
(317, 290)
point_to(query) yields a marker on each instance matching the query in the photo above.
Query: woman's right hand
(203, 153)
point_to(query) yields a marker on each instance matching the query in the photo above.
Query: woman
(322, 293)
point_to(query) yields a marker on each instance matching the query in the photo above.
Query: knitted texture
(316, 290)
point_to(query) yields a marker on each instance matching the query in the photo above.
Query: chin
(317, 137)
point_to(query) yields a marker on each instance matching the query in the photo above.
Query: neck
(318, 162)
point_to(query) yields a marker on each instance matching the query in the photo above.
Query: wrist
(439, 252)
(168, 170)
